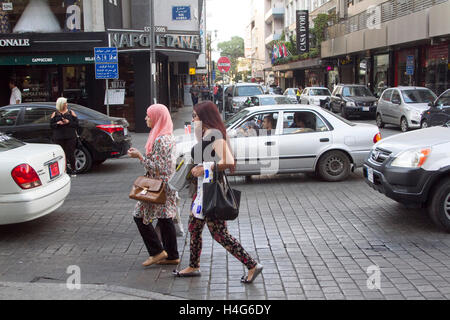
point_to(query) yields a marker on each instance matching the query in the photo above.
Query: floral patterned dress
(159, 164)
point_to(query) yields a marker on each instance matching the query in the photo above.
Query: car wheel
(380, 122)
(83, 159)
(333, 166)
(404, 124)
(439, 206)
(424, 124)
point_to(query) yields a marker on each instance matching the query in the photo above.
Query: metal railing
(384, 12)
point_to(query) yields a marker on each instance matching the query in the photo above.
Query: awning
(46, 59)
(303, 64)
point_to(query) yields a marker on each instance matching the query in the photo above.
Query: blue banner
(181, 13)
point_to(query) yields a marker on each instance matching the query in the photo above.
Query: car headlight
(416, 114)
(350, 104)
(375, 104)
(413, 158)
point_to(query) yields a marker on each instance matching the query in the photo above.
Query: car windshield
(340, 118)
(8, 143)
(236, 117)
(356, 92)
(248, 91)
(444, 100)
(89, 113)
(418, 96)
(319, 92)
(274, 100)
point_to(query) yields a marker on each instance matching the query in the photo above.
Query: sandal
(258, 270)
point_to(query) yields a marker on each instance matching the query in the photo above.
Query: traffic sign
(106, 55)
(106, 71)
(409, 65)
(223, 64)
(106, 63)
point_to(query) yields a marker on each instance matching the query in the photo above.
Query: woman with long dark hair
(212, 147)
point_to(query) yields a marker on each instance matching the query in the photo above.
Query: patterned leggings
(220, 233)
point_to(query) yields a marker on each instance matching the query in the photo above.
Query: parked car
(34, 180)
(317, 141)
(291, 93)
(403, 106)
(265, 100)
(413, 168)
(438, 113)
(313, 95)
(237, 94)
(353, 99)
(100, 137)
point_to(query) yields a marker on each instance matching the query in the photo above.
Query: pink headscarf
(162, 124)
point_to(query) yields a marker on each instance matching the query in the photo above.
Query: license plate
(370, 174)
(54, 170)
(365, 108)
(125, 131)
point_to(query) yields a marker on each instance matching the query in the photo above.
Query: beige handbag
(148, 190)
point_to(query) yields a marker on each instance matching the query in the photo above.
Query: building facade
(47, 47)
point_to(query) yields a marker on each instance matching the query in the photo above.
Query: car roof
(409, 88)
(298, 107)
(316, 88)
(351, 85)
(246, 84)
(269, 95)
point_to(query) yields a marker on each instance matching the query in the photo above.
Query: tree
(232, 49)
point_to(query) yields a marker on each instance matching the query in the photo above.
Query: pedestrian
(64, 123)
(214, 139)
(195, 92)
(159, 162)
(16, 95)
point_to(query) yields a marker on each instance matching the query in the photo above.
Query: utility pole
(152, 55)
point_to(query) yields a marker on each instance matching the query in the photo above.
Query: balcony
(274, 13)
(274, 36)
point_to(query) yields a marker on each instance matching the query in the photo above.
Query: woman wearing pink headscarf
(159, 162)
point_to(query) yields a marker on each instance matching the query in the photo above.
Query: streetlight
(209, 55)
(152, 55)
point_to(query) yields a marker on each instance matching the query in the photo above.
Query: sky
(229, 18)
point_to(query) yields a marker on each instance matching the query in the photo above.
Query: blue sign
(409, 65)
(106, 55)
(180, 13)
(213, 75)
(106, 63)
(107, 71)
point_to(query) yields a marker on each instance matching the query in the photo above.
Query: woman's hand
(60, 123)
(198, 171)
(134, 153)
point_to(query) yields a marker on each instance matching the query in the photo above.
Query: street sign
(180, 13)
(106, 63)
(223, 64)
(409, 65)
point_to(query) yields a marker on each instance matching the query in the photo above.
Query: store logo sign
(167, 41)
(14, 42)
(302, 25)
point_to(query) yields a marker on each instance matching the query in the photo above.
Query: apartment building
(48, 48)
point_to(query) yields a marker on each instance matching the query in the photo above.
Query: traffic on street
(311, 139)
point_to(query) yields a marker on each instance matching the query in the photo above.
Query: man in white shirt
(16, 95)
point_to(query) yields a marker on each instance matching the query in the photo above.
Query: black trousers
(151, 240)
(69, 146)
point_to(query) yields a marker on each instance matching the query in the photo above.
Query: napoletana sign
(14, 42)
(138, 40)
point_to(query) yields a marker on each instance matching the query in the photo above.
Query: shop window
(437, 73)
(37, 115)
(35, 82)
(74, 84)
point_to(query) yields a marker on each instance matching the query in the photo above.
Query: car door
(304, 97)
(34, 126)
(384, 105)
(254, 149)
(395, 111)
(9, 117)
(299, 147)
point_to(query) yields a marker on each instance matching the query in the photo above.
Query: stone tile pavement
(315, 239)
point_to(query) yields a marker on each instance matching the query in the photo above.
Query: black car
(438, 113)
(100, 137)
(353, 99)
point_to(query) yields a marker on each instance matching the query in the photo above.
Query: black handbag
(220, 201)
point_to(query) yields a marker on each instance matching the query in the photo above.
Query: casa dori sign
(223, 64)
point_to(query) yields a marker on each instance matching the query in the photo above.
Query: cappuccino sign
(302, 25)
(14, 42)
(135, 40)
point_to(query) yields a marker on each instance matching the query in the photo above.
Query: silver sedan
(295, 138)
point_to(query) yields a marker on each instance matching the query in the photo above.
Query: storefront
(380, 73)
(405, 67)
(347, 70)
(48, 66)
(435, 67)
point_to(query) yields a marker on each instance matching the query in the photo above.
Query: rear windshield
(8, 143)
(319, 92)
(274, 100)
(248, 91)
(418, 96)
(88, 113)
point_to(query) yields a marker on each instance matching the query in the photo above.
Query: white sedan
(303, 138)
(313, 95)
(33, 180)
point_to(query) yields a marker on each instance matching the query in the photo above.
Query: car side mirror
(431, 104)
